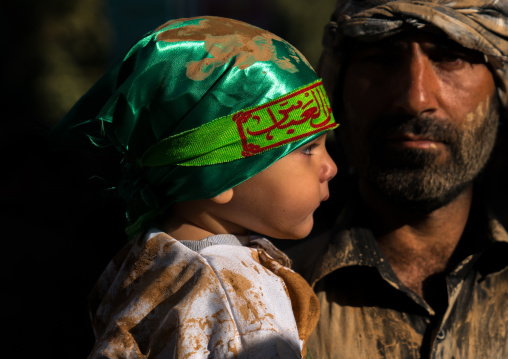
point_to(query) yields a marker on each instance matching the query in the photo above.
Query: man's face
(420, 118)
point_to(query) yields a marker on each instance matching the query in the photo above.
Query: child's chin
(294, 233)
(299, 235)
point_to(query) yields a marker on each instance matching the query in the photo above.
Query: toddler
(221, 127)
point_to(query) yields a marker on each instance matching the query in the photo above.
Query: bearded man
(415, 265)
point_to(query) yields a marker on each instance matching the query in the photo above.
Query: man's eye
(381, 59)
(451, 59)
(376, 57)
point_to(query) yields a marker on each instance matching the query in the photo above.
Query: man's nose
(328, 169)
(418, 84)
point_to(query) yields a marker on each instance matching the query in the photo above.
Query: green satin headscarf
(194, 84)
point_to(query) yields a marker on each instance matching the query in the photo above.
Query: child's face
(280, 201)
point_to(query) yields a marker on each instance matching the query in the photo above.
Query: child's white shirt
(161, 299)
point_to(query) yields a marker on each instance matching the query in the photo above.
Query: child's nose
(329, 168)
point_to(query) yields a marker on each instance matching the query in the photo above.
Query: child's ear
(224, 197)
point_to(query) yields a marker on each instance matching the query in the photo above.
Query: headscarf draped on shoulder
(481, 25)
(196, 107)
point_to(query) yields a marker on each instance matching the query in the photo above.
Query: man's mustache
(421, 126)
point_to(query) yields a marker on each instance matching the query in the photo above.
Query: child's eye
(307, 150)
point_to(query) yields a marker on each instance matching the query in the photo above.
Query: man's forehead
(405, 38)
(431, 43)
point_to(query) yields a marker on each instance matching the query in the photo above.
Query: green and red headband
(292, 117)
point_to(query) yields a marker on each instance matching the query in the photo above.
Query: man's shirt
(366, 312)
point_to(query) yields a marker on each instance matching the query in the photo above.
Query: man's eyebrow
(395, 41)
(451, 45)
(401, 42)
(454, 47)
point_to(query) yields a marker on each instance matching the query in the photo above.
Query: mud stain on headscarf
(225, 39)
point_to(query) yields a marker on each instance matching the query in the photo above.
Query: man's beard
(414, 178)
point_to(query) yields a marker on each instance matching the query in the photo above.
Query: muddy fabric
(480, 25)
(160, 299)
(366, 312)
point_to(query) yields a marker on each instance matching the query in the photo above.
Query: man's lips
(409, 140)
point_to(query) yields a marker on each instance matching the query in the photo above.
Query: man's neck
(418, 245)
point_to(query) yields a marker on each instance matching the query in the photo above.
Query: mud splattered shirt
(161, 299)
(366, 312)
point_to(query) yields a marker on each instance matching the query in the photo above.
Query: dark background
(59, 228)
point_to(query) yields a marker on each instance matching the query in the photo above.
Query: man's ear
(223, 197)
